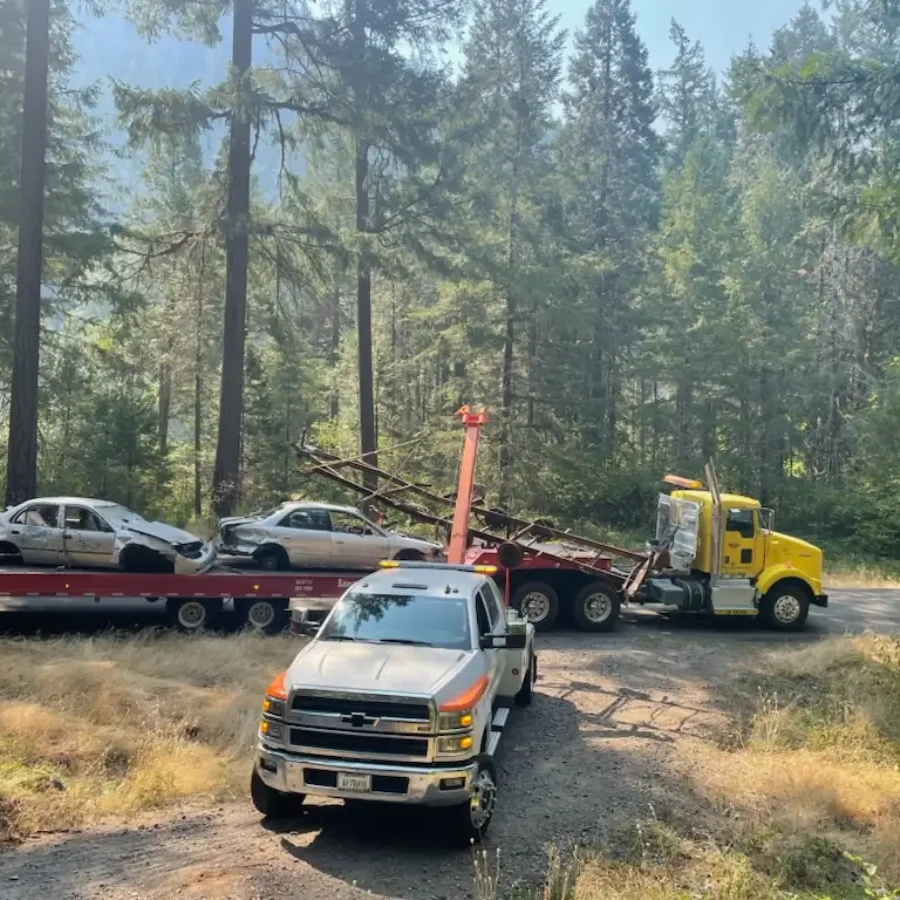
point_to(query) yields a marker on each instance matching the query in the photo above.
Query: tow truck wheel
(265, 615)
(596, 607)
(468, 822)
(538, 603)
(785, 607)
(271, 803)
(190, 614)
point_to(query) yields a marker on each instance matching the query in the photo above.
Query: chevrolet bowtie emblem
(357, 720)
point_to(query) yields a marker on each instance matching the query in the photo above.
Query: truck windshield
(400, 619)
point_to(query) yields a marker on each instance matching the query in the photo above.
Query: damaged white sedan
(97, 534)
(318, 535)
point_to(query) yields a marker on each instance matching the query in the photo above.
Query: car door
(356, 542)
(36, 530)
(490, 621)
(88, 540)
(305, 532)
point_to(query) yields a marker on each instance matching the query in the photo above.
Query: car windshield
(417, 620)
(115, 512)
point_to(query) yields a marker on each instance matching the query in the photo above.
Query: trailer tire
(190, 614)
(467, 823)
(266, 615)
(538, 603)
(597, 606)
(526, 693)
(785, 606)
(271, 803)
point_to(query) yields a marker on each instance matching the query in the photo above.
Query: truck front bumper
(821, 600)
(317, 777)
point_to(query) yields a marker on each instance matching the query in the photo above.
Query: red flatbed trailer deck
(193, 602)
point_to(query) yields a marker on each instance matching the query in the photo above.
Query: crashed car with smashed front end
(318, 535)
(89, 533)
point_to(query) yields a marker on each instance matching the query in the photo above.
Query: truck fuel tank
(687, 594)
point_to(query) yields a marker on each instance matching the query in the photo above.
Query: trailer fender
(773, 574)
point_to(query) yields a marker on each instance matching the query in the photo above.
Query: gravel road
(612, 714)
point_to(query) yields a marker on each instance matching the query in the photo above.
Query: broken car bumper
(317, 776)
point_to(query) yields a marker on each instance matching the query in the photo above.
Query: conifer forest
(389, 208)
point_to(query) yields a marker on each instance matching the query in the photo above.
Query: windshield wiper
(338, 637)
(407, 641)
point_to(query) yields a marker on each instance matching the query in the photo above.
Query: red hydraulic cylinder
(459, 532)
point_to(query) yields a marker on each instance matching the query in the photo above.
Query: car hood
(160, 531)
(238, 520)
(342, 665)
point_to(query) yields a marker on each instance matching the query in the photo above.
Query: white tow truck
(401, 697)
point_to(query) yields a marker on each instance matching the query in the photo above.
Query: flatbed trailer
(192, 602)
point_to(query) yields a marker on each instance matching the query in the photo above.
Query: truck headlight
(273, 707)
(454, 744)
(454, 721)
(271, 730)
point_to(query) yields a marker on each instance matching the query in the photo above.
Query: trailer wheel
(271, 803)
(190, 614)
(597, 606)
(785, 607)
(468, 822)
(538, 603)
(267, 615)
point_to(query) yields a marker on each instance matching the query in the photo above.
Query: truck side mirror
(502, 641)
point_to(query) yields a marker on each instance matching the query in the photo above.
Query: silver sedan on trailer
(88, 533)
(318, 535)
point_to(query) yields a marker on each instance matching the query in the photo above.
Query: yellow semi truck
(720, 553)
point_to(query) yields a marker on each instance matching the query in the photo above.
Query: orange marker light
(468, 698)
(276, 690)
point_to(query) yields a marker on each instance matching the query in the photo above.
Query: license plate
(348, 782)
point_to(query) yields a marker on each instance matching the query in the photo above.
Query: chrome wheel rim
(261, 615)
(535, 606)
(192, 615)
(483, 800)
(786, 609)
(597, 608)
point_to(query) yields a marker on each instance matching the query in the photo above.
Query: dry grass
(860, 577)
(105, 726)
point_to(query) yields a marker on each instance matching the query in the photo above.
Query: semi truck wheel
(189, 614)
(785, 607)
(271, 803)
(538, 603)
(468, 822)
(267, 615)
(597, 607)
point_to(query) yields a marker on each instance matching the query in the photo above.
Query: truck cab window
(741, 521)
(481, 616)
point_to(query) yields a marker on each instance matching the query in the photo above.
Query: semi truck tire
(538, 603)
(785, 607)
(597, 606)
(271, 803)
(190, 614)
(468, 822)
(267, 615)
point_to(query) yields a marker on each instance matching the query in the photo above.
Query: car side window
(79, 518)
(44, 515)
(347, 523)
(490, 606)
(492, 593)
(306, 520)
(741, 521)
(481, 616)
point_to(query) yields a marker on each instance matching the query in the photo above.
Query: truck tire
(191, 614)
(467, 823)
(526, 692)
(271, 803)
(267, 615)
(785, 607)
(597, 606)
(538, 603)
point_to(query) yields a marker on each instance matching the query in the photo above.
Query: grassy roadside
(801, 793)
(102, 727)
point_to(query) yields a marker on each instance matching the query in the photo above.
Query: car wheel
(468, 822)
(272, 559)
(526, 692)
(410, 556)
(271, 803)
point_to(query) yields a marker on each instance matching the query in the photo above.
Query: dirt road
(613, 716)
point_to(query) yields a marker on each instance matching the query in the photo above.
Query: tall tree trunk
(198, 400)
(164, 408)
(21, 463)
(335, 405)
(226, 485)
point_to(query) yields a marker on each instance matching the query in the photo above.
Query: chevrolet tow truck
(401, 697)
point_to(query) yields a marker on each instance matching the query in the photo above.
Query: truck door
(742, 550)
(489, 622)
